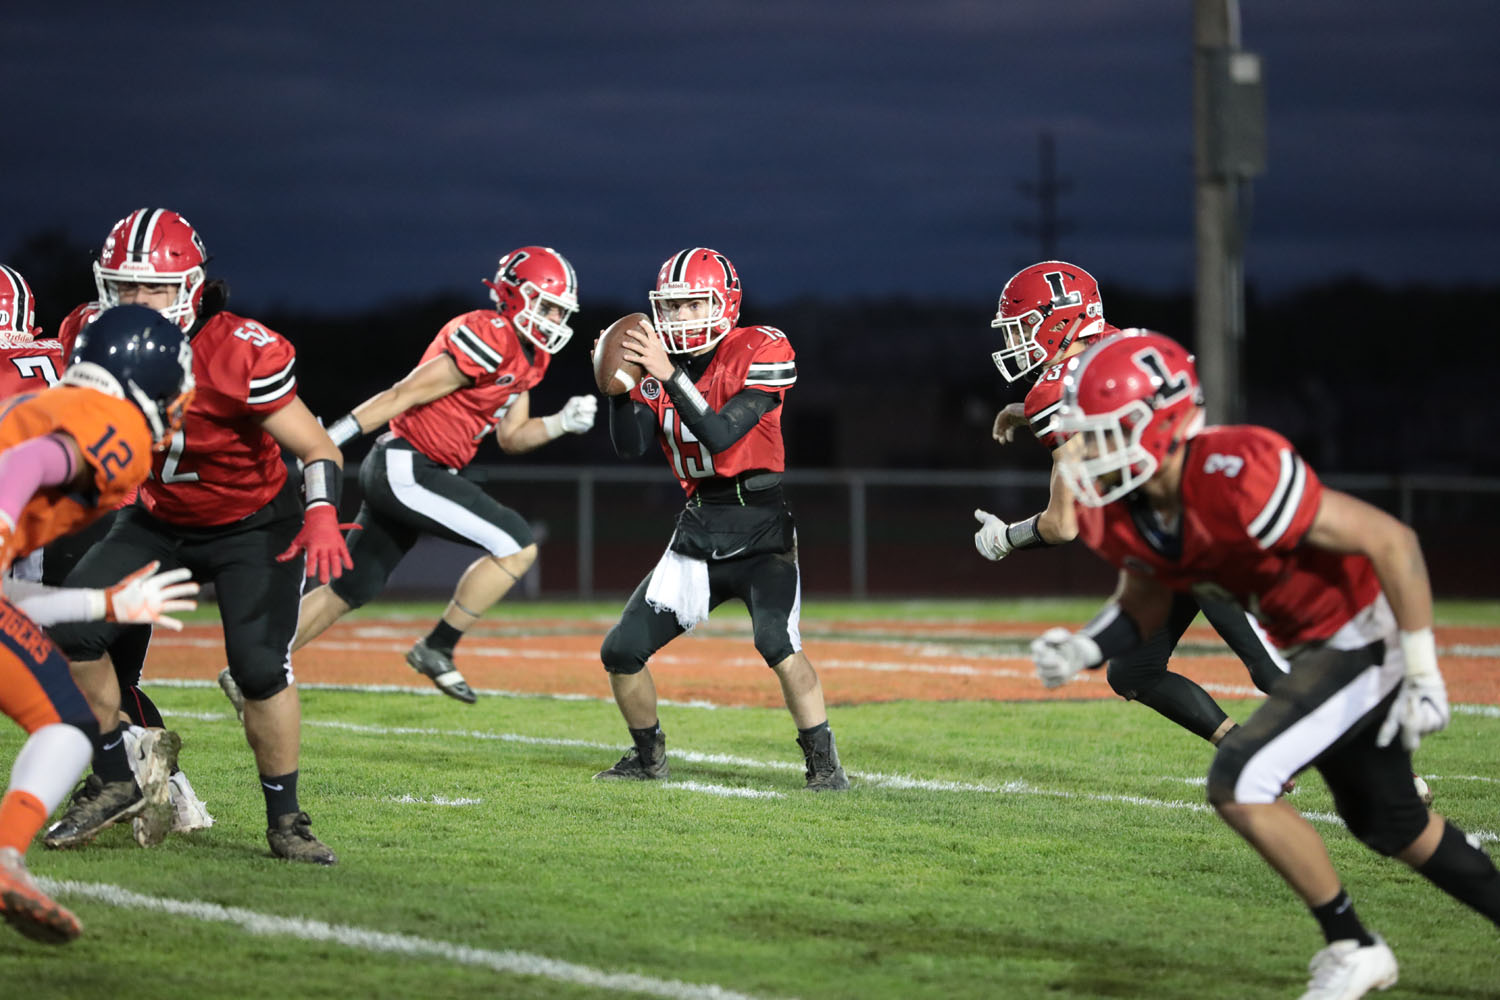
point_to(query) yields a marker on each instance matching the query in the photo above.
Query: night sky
(354, 153)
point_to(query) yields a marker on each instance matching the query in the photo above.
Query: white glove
(1421, 707)
(576, 416)
(145, 596)
(1006, 422)
(990, 538)
(1060, 654)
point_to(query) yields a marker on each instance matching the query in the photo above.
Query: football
(612, 373)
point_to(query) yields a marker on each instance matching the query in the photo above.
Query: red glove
(327, 555)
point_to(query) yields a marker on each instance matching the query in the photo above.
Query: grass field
(999, 841)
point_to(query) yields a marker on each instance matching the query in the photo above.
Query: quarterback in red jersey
(1340, 586)
(716, 413)
(475, 378)
(218, 502)
(1048, 314)
(67, 456)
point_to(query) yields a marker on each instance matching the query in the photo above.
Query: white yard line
(517, 963)
(876, 778)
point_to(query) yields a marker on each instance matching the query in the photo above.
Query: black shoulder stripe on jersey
(482, 354)
(273, 387)
(1273, 520)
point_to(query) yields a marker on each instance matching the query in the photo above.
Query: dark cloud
(346, 153)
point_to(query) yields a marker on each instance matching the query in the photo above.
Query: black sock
(808, 734)
(1464, 872)
(443, 638)
(281, 795)
(645, 739)
(1340, 922)
(111, 763)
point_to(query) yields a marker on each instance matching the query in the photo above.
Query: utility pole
(1045, 190)
(1229, 130)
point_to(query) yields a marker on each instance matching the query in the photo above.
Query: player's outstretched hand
(1420, 708)
(145, 597)
(1006, 422)
(578, 414)
(321, 539)
(1059, 655)
(990, 539)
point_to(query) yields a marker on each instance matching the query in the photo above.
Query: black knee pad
(259, 681)
(1224, 772)
(1127, 680)
(360, 585)
(1386, 815)
(618, 655)
(774, 645)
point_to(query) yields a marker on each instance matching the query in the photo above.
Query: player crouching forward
(1340, 587)
(475, 377)
(717, 414)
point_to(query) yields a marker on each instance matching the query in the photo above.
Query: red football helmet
(1043, 310)
(154, 246)
(527, 282)
(17, 306)
(1134, 398)
(698, 273)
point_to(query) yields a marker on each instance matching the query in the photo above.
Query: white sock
(50, 762)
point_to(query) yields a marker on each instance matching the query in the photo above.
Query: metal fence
(898, 533)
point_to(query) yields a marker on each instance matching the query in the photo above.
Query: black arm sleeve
(632, 426)
(718, 430)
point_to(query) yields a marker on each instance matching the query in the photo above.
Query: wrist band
(321, 483)
(345, 428)
(1024, 534)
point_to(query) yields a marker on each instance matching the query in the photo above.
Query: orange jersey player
(68, 455)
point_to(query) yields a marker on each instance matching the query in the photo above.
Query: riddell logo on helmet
(4, 317)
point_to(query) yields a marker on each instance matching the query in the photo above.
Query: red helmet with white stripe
(1043, 310)
(696, 300)
(17, 306)
(154, 246)
(537, 290)
(1134, 399)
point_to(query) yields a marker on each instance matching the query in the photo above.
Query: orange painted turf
(859, 662)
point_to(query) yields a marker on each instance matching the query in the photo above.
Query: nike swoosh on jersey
(732, 552)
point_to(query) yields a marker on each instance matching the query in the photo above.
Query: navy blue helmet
(137, 354)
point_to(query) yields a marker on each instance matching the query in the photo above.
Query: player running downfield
(474, 378)
(1340, 587)
(1049, 313)
(712, 399)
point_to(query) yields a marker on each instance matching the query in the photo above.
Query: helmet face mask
(154, 246)
(702, 275)
(1128, 402)
(537, 290)
(136, 354)
(1043, 310)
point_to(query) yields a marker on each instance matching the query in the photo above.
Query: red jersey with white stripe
(1044, 398)
(222, 465)
(1247, 501)
(486, 348)
(28, 365)
(749, 357)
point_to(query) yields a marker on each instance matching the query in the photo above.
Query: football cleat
(824, 773)
(95, 807)
(233, 693)
(29, 910)
(189, 812)
(440, 669)
(633, 767)
(1345, 970)
(291, 837)
(157, 750)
